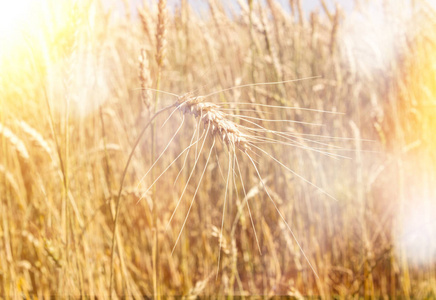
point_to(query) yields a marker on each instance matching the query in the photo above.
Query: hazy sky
(308, 5)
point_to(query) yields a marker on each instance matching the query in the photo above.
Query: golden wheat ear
(230, 132)
(221, 124)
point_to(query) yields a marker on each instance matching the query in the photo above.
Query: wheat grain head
(219, 125)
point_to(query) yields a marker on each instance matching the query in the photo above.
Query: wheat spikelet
(161, 33)
(145, 18)
(334, 31)
(9, 178)
(292, 7)
(16, 143)
(277, 12)
(270, 47)
(326, 10)
(227, 130)
(23, 157)
(300, 14)
(145, 78)
(36, 138)
(249, 18)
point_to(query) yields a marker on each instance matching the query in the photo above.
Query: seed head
(214, 119)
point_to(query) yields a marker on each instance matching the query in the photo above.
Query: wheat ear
(228, 131)
(230, 134)
(161, 40)
(217, 123)
(145, 78)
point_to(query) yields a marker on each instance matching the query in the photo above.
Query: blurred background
(72, 104)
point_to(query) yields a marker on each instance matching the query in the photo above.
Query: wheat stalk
(117, 208)
(231, 134)
(218, 123)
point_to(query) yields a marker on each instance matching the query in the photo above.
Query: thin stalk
(66, 167)
(117, 208)
(155, 252)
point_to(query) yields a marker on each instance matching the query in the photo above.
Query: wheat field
(250, 149)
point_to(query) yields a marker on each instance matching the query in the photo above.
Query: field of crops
(250, 148)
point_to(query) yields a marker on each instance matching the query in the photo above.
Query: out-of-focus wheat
(67, 243)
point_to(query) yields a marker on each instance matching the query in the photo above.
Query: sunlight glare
(15, 18)
(418, 236)
(373, 36)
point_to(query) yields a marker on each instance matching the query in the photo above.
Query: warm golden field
(349, 165)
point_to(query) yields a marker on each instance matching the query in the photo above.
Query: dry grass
(240, 195)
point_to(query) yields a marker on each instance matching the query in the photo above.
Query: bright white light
(418, 234)
(373, 37)
(15, 17)
(12, 15)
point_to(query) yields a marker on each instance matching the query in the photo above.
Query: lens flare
(373, 37)
(16, 17)
(418, 237)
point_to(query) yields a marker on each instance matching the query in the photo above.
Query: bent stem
(121, 189)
